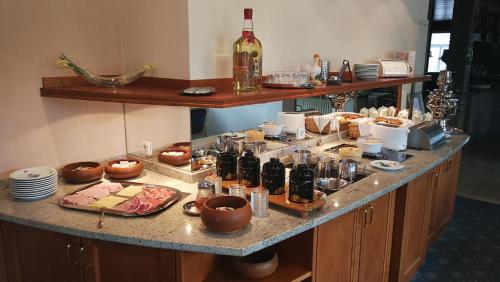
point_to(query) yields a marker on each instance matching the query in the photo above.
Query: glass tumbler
(237, 190)
(259, 200)
(204, 193)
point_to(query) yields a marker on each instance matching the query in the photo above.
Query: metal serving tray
(175, 197)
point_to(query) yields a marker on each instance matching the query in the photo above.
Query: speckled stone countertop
(172, 229)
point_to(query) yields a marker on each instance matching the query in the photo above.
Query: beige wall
(43, 131)
(292, 30)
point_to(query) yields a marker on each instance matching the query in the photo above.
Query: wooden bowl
(258, 265)
(94, 172)
(124, 173)
(175, 160)
(226, 221)
(182, 144)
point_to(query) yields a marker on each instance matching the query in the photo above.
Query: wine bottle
(247, 58)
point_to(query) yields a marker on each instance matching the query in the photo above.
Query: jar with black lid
(273, 176)
(227, 164)
(249, 170)
(301, 185)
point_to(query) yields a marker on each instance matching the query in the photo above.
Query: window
(439, 43)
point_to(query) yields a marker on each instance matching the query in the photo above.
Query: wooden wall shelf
(160, 91)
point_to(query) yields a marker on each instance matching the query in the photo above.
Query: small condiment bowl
(226, 221)
(175, 160)
(124, 172)
(93, 172)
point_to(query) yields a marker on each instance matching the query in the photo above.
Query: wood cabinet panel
(335, 249)
(411, 227)
(106, 262)
(376, 240)
(3, 269)
(357, 245)
(39, 255)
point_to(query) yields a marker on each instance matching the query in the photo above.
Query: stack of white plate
(33, 183)
(366, 71)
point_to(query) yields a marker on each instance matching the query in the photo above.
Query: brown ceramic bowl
(226, 221)
(175, 160)
(182, 144)
(124, 173)
(93, 172)
(258, 265)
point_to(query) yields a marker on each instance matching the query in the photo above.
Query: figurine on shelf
(316, 70)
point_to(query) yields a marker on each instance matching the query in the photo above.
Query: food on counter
(173, 153)
(80, 168)
(124, 164)
(373, 112)
(224, 208)
(391, 121)
(148, 200)
(254, 135)
(350, 152)
(108, 202)
(130, 191)
(76, 199)
(364, 112)
(101, 190)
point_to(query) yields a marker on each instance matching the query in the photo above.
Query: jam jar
(301, 186)
(227, 166)
(273, 176)
(249, 170)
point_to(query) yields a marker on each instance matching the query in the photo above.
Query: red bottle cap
(248, 14)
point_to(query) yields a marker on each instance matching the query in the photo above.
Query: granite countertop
(172, 229)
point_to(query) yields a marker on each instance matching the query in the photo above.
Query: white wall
(292, 30)
(45, 131)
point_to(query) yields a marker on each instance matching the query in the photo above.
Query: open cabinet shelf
(160, 91)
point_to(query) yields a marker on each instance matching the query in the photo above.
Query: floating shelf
(158, 91)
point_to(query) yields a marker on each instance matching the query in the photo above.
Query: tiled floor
(469, 249)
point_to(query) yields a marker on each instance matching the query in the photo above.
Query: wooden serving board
(282, 200)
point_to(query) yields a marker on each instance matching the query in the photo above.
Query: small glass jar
(249, 170)
(301, 185)
(273, 176)
(227, 166)
(205, 192)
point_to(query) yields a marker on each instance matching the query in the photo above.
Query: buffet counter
(174, 230)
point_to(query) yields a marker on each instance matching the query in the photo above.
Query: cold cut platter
(121, 198)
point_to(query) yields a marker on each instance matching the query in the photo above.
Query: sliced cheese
(108, 202)
(130, 191)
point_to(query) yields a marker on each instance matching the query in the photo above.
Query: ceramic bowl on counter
(182, 144)
(82, 172)
(226, 214)
(258, 265)
(124, 168)
(175, 156)
(370, 145)
(271, 128)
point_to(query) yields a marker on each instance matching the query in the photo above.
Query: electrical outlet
(147, 148)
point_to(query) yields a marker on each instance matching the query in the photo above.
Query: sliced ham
(77, 199)
(146, 201)
(101, 190)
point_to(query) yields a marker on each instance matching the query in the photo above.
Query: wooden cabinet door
(445, 194)
(3, 269)
(334, 249)
(39, 255)
(106, 262)
(376, 239)
(411, 227)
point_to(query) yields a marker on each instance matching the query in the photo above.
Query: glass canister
(227, 166)
(301, 186)
(249, 170)
(205, 192)
(273, 176)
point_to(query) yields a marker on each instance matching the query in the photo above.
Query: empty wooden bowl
(226, 221)
(124, 172)
(175, 160)
(258, 265)
(88, 172)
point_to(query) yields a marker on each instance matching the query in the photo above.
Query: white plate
(51, 189)
(32, 173)
(32, 198)
(33, 186)
(29, 191)
(28, 185)
(387, 165)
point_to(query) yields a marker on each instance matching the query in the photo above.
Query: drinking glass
(204, 193)
(237, 190)
(259, 200)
